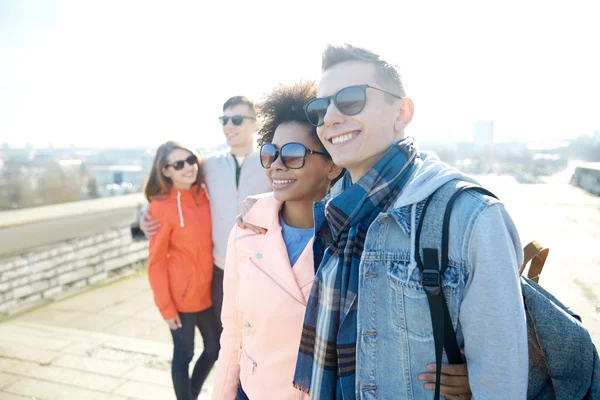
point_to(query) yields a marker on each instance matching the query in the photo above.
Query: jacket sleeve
(157, 265)
(228, 372)
(492, 315)
(142, 213)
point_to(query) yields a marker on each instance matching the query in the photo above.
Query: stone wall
(54, 251)
(52, 271)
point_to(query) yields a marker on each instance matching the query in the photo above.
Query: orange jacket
(180, 262)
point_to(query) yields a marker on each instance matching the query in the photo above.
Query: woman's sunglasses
(235, 119)
(178, 165)
(293, 155)
(350, 100)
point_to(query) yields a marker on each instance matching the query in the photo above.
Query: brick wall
(56, 270)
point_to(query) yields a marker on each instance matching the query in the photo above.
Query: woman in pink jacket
(268, 277)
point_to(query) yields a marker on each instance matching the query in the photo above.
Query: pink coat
(263, 310)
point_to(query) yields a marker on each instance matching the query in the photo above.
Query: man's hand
(246, 206)
(148, 225)
(174, 323)
(454, 381)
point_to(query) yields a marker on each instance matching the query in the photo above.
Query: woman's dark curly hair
(285, 104)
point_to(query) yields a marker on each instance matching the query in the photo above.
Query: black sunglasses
(350, 100)
(293, 155)
(235, 119)
(178, 165)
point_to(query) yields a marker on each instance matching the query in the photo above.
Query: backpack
(556, 370)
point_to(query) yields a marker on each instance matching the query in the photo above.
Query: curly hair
(285, 104)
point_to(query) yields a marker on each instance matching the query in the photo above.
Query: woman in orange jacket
(180, 262)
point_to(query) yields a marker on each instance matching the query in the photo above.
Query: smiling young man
(231, 176)
(367, 330)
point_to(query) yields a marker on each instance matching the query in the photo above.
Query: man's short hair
(236, 100)
(388, 75)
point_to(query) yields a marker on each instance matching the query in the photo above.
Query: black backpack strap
(432, 261)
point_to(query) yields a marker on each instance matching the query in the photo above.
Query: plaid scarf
(326, 362)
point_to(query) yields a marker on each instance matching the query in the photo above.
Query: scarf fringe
(301, 388)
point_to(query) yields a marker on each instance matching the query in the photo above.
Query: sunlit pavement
(111, 344)
(567, 220)
(106, 344)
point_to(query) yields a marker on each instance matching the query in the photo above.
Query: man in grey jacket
(231, 176)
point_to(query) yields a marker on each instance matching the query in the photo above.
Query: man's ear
(406, 110)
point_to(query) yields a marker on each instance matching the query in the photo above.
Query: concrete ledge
(32, 228)
(73, 209)
(587, 177)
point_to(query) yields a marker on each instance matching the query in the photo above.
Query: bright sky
(137, 73)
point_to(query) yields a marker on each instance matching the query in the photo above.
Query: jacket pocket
(408, 302)
(410, 307)
(412, 312)
(249, 372)
(187, 288)
(180, 281)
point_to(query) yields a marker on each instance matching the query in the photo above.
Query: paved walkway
(567, 220)
(111, 344)
(106, 344)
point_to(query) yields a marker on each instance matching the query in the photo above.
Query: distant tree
(585, 148)
(93, 188)
(16, 189)
(56, 186)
